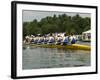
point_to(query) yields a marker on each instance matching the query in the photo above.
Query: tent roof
(89, 31)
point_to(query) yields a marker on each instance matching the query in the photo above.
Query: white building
(86, 36)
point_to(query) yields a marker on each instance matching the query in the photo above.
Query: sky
(30, 15)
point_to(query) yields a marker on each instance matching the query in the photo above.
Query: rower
(65, 39)
(59, 40)
(41, 40)
(32, 39)
(26, 39)
(72, 39)
(51, 39)
(35, 40)
(46, 39)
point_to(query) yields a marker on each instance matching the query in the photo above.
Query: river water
(36, 58)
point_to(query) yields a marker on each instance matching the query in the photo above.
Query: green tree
(61, 23)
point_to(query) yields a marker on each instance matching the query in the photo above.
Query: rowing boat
(72, 46)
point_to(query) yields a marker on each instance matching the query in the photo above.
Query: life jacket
(51, 40)
(36, 40)
(73, 41)
(45, 40)
(59, 40)
(39, 41)
(42, 40)
(66, 40)
(32, 40)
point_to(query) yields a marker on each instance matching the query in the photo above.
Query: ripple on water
(54, 58)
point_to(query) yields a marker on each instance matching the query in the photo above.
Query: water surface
(36, 58)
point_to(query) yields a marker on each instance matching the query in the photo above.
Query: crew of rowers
(63, 40)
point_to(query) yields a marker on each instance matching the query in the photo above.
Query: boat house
(86, 36)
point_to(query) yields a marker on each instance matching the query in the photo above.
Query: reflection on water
(53, 58)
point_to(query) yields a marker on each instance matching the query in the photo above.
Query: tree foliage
(61, 23)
